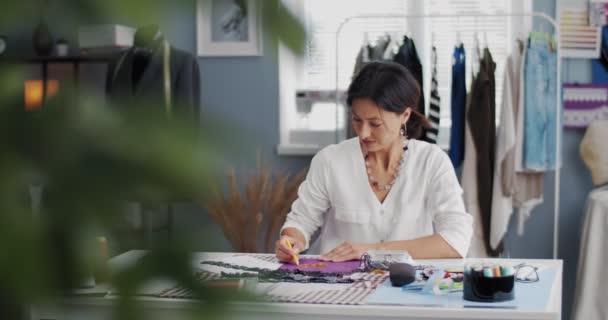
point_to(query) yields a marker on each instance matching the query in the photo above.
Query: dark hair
(393, 88)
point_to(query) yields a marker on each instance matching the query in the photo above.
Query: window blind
(444, 33)
(323, 19)
(316, 72)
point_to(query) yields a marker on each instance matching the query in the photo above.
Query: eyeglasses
(526, 273)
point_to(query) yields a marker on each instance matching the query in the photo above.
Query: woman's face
(378, 129)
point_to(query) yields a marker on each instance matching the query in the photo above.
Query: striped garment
(434, 103)
(181, 292)
(351, 294)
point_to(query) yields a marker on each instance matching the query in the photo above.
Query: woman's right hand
(283, 252)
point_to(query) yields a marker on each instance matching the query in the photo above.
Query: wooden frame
(229, 28)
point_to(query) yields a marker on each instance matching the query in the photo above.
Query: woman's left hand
(346, 251)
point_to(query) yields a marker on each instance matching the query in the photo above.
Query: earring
(403, 130)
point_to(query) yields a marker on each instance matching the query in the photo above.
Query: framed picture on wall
(229, 28)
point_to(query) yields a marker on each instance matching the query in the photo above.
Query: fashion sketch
(229, 21)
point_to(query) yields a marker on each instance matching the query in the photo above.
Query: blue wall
(244, 91)
(241, 91)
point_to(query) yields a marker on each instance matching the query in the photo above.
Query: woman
(383, 189)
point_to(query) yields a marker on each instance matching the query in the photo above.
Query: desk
(97, 308)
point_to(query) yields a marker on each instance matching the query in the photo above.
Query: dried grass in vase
(261, 207)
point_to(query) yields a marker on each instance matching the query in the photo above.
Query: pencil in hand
(295, 258)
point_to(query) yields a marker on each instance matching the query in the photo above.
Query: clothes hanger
(519, 41)
(396, 43)
(366, 46)
(542, 35)
(433, 52)
(485, 39)
(392, 47)
(458, 39)
(369, 41)
(476, 37)
(519, 44)
(476, 54)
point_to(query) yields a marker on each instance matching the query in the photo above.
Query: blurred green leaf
(281, 23)
(91, 159)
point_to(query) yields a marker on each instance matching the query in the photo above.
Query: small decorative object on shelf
(61, 47)
(43, 40)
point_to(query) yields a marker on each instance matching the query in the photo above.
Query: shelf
(74, 58)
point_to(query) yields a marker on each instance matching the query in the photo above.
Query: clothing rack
(558, 132)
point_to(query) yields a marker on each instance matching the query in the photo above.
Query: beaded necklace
(374, 181)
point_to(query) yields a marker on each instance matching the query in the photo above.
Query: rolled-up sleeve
(307, 211)
(450, 218)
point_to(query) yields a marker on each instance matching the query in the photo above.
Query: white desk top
(97, 307)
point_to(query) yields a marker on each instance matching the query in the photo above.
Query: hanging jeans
(459, 98)
(541, 107)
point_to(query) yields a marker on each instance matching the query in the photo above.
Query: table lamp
(33, 93)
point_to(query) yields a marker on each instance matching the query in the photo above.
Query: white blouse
(425, 199)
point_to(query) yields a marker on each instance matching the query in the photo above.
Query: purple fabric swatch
(346, 267)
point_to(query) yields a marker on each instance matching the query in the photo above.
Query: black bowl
(484, 289)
